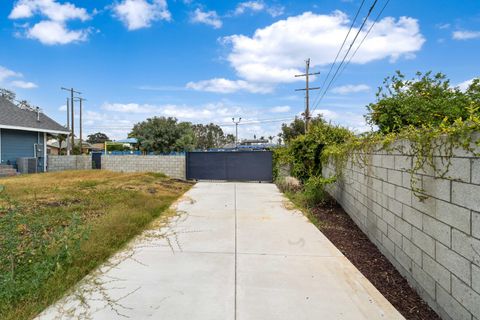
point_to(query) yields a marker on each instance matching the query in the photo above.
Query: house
(23, 133)
(53, 147)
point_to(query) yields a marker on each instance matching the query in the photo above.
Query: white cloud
(62, 108)
(6, 76)
(24, 84)
(254, 6)
(221, 85)
(465, 84)
(49, 8)
(54, 32)
(442, 26)
(210, 112)
(272, 53)
(7, 73)
(138, 14)
(129, 107)
(351, 120)
(276, 11)
(280, 109)
(351, 88)
(206, 17)
(257, 6)
(465, 35)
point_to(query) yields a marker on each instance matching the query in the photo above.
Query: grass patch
(57, 227)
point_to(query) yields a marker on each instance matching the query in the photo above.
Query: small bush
(314, 190)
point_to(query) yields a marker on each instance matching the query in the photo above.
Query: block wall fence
(434, 243)
(62, 163)
(172, 166)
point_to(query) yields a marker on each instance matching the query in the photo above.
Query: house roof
(13, 117)
(128, 140)
(56, 144)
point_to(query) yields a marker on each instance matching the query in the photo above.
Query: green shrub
(305, 151)
(314, 190)
(424, 100)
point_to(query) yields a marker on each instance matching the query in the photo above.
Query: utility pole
(68, 127)
(307, 91)
(81, 121)
(236, 131)
(72, 92)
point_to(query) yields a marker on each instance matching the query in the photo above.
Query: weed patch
(55, 228)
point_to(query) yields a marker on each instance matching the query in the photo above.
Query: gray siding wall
(18, 143)
(434, 243)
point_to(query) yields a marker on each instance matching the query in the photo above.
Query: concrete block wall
(62, 163)
(434, 243)
(172, 166)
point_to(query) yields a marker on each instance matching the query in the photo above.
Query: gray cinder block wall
(74, 162)
(434, 243)
(172, 166)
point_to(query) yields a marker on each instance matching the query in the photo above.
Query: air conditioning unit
(27, 165)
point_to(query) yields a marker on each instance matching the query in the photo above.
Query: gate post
(187, 156)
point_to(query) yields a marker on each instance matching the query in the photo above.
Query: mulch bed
(340, 229)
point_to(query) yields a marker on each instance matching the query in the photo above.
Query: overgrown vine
(424, 144)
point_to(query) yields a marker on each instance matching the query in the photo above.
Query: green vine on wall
(430, 146)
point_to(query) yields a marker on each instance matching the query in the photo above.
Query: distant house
(253, 142)
(23, 133)
(53, 147)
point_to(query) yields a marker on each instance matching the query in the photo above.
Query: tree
(98, 137)
(297, 128)
(186, 140)
(163, 135)
(230, 138)
(427, 99)
(208, 136)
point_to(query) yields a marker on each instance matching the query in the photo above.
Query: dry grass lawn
(57, 227)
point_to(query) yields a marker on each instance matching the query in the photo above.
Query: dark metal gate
(96, 160)
(230, 165)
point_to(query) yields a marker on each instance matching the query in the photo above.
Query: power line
(346, 54)
(366, 35)
(243, 123)
(340, 50)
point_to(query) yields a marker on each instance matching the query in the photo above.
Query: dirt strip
(340, 229)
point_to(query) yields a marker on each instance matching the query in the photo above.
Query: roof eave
(2, 126)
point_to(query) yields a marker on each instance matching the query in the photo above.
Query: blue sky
(205, 61)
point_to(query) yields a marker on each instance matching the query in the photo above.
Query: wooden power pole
(307, 91)
(68, 127)
(80, 125)
(72, 104)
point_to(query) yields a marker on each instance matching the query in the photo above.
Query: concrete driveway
(234, 251)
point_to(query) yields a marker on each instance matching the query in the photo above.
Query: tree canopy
(210, 136)
(427, 99)
(164, 135)
(297, 128)
(98, 137)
